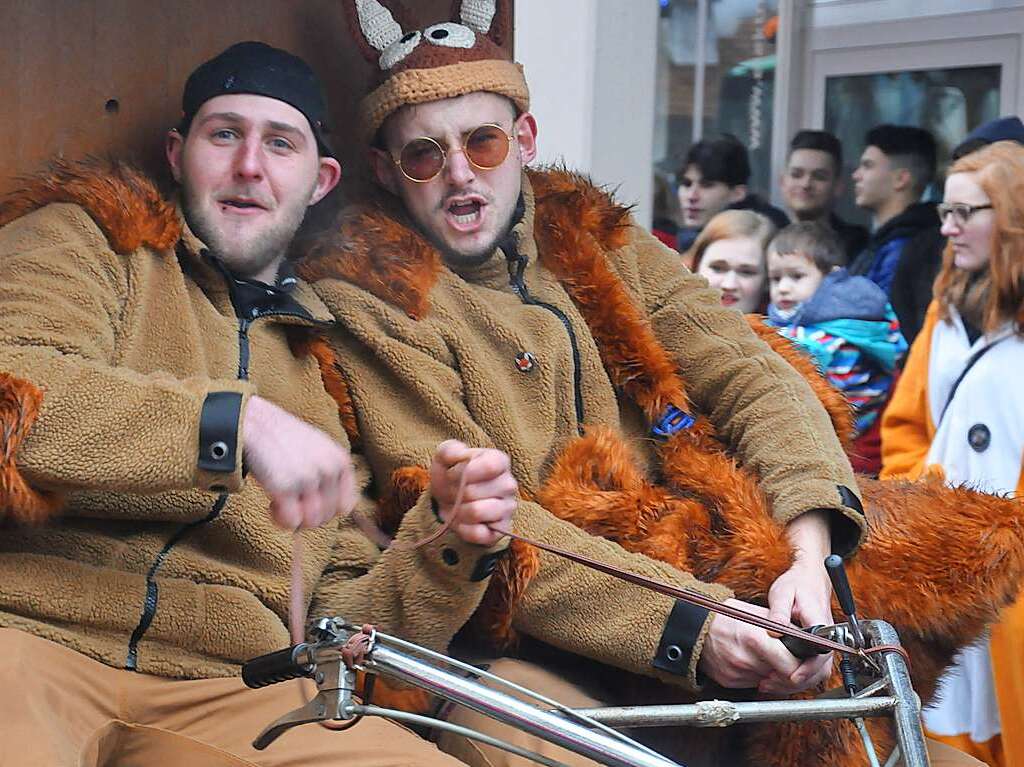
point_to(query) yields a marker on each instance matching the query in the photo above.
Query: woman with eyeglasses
(959, 410)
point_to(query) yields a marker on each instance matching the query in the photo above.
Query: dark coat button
(450, 556)
(525, 362)
(979, 437)
(673, 653)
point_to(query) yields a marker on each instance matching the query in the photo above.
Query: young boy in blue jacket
(844, 322)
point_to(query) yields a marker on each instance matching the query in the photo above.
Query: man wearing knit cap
(165, 429)
(482, 304)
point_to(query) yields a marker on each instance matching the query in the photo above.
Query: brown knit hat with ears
(442, 61)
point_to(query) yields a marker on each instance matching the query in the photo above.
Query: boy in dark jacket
(844, 322)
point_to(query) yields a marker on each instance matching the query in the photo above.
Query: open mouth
(465, 213)
(239, 203)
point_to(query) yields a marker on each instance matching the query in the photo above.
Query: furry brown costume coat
(426, 354)
(114, 327)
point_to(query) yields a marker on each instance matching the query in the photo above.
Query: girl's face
(792, 279)
(969, 221)
(736, 267)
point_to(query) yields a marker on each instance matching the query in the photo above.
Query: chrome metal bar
(869, 745)
(907, 713)
(553, 728)
(480, 673)
(466, 732)
(894, 757)
(722, 713)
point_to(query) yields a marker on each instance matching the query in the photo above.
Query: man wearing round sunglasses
(457, 166)
(498, 306)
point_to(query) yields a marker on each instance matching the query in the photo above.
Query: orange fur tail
(19, 407)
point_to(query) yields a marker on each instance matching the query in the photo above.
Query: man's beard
(250, 254)
(459, 259)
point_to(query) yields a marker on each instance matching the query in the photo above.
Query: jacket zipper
(243, 349)
(152, 587)
(516, 266)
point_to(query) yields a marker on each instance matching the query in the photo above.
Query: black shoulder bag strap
(967, 367)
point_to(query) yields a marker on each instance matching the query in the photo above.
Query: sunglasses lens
(421, 159)
(487, 147)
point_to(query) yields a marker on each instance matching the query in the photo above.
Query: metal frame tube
(553, 728)
(907, 713)
(722, 713)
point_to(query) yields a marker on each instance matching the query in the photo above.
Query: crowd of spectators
(944, 280)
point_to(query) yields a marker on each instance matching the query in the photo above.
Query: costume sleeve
(408, 400)
(423, 595)
(906, 424)
(100, 425)
(758, 403)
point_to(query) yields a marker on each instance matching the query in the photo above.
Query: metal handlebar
(883, 690)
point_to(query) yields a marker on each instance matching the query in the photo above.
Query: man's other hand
(307, 475)
(739, 655)
(489, 497)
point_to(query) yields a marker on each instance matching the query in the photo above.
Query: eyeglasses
(423, 158)
(961, 211)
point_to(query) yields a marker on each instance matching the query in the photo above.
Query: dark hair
(819, 140)
(719, 159)
(908, 147)
(256, 68)
(812, 239)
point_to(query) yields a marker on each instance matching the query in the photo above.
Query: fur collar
(123, 201)
(375, 247)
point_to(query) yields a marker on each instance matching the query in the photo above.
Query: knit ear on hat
(373, 26)
(492, 18)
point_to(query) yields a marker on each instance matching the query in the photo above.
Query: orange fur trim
(573, 226)
(375, 248)
(407, 484)
(303, 343)
(921, 568)
(122, 200)
(19, 407)
(602, 218)
(383, 256)
(492, 621)
(389, 693)
(837, 406)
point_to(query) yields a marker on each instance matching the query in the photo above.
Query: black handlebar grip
(279, 666)
(802, 649)
(837, 574)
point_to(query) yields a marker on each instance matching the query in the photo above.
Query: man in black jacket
(714, 178)
(896, 166)
(813, 181)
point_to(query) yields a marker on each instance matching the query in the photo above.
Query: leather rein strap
(296, 617)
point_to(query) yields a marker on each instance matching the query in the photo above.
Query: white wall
(590, 65)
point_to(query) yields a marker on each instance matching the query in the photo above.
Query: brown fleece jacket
(115, 326)
(431, 354)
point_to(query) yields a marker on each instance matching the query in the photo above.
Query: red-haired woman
(959, 409)
(729, 254)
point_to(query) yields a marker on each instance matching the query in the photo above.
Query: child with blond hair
(844, 322)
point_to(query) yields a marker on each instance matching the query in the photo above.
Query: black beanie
(257, 68)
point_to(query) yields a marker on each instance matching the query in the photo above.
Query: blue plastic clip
(674, 421)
